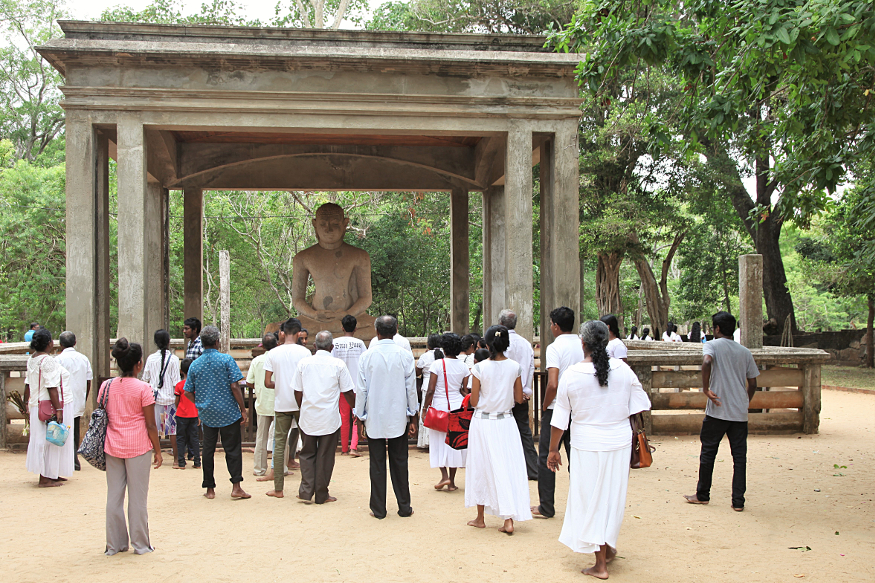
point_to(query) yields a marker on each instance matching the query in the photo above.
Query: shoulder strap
(102, 402)
(446, 384)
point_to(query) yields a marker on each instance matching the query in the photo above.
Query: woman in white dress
(44, 382)
(616, 348)
(596, 396)
(423, 369)
(161, 371)
(495, 475)
(448, 376)
(633, 334)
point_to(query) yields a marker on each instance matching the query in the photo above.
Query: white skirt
(596, 499)
(442, 455)
(44, 458)
(495, 475)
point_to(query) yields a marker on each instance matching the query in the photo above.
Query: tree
(782, 84)
(30, 114)
(482, 16)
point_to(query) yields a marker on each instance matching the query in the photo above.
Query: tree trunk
(656, 293)
(870, 349)
(608, 284)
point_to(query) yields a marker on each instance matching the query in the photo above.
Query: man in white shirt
(521, 351)
(386, 405)
(263, 406)
(318, 385)
(280, 368)
(81, 375)
(565, 350)
(396, 338)
(349, 349)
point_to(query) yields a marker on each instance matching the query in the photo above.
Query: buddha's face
(330, 227)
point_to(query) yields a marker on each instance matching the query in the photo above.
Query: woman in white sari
(44, 382)
(596, 396)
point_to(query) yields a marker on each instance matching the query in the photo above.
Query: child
(187, 422)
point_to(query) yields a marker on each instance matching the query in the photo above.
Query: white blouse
(497, 378)
(457, 372)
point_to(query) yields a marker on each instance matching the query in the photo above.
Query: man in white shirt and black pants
(318, 385)
(81, 375)
(386, 404)
(565, 350)
(729, 381)
(520, 351)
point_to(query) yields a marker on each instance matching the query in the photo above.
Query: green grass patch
(848, 376)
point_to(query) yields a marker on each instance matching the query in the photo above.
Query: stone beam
(161, 156)
(489, 161)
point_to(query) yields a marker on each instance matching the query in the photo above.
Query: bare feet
(344, 453)
(598, 574)
(237, 493)
(49, 484)
(276, 494)
(610, 554)
(536, 511)
(177, 467)
(442, 483)
(304, 500)
(508, 527)
(264, 478)
(452, 487)
(477, 523)
(354, 453)
(330, 499)
(693, 499)
(59, 479)
(294, 465)
(738, 509)
(210, 494)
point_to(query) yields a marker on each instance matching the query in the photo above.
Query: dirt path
(795, 499)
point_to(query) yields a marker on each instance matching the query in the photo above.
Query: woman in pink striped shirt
(131, 435)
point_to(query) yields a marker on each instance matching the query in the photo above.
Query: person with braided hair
(595, 398)
(161, 371)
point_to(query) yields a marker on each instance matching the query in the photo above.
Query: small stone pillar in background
(750, 300)
(225, 299)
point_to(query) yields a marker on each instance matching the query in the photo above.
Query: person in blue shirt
(213, 384)
(28, 336)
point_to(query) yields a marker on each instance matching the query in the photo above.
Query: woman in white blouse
(671, 333)
(596, 397)
(423, 369)
(616, 348)
(448, 376)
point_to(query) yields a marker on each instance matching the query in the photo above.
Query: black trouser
(76, 421)
(713, 430)
(231, 441)
(521, 414)
(397, 451)
(187, 438)
(317, 465)
(546, 478)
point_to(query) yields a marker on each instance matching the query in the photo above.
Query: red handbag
(435, 419)
(46, 409)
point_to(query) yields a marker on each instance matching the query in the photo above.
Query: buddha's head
(330, 224)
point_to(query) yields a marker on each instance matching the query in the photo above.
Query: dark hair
(435, 342)
(127, 355)
(303, 332)
(193, 323)
(696, 333)
(291, 326)
(498, 340)
(633, 331)
(481, 344)
(595, 335)
(481, 354)
(451, 344)
(670, 327)
(349, 323)
(725, 320)
(269, 342)
(564, 318)
(613, 324)
(33, 325)
(468, 340)
(645, 333)
(386, 325)
(184, 366)
(40, 341)
(67, 339)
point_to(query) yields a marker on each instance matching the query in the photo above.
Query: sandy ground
(796, 498)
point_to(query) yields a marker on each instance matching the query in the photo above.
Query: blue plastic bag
(57, 434)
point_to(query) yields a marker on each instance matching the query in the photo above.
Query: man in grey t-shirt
(729, 381)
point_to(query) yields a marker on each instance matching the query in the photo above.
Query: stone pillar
(156, 301)
(225, 299)
(460, 268)
(193, 253)
(750, 300)
(493, 254)
(87, 235)
(518, 225)
(548, 299)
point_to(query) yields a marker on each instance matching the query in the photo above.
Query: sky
(260, 9)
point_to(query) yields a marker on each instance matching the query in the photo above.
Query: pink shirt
(126, 435)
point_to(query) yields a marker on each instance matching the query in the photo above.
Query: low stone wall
(843, 346)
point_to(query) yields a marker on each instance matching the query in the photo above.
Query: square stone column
(133, 273)
(460, 267)
(193, 254)
(750, 300)
(87, 236)
(156, 298)
(560, 226)
(518, 222)
(494, 248)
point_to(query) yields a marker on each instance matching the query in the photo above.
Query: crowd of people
(343, 390)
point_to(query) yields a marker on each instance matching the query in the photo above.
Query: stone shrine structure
(190, 108)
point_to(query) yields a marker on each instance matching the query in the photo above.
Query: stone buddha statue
(341, 277)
